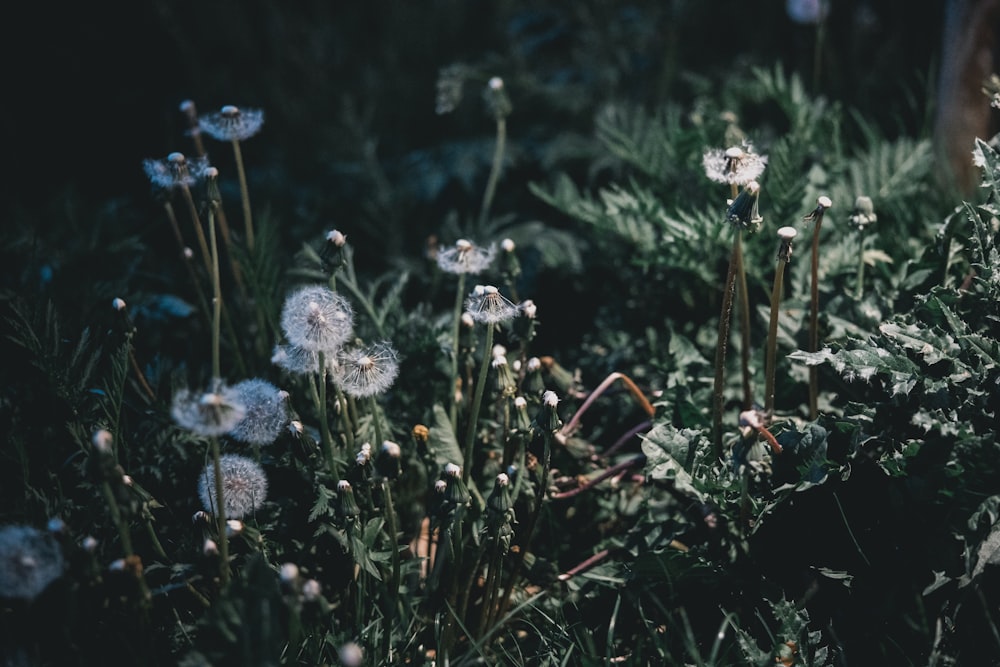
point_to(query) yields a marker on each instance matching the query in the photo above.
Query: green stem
(477, 400)
(456, 329)
(220, 513)
(772, 338)
(116, 516)
(744, 297)
(859, 289)
(814, 322)
(495, 169)
(216, 298)
(324, 424)
(345, 417)
(206, 256)
(718, 397)
(390, 519)
(244, 193)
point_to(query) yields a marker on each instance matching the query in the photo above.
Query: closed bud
(389, 461)
(347, 506)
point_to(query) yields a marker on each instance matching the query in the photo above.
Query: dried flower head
(244, 486)
(118, 304)
(743, 212)
(265, 412)
(863, 213)
(175, 171)
(311, 590)
(232, 123)
(496, 98)
(336, 238)
(465, 257)
(208, 413)
(486, 304)
(30, 560)
(316, 318)
(736, 165)
(367, 371)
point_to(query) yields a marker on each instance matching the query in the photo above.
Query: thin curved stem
(456, 328)
(495, 169)
(772, 338)
(814, 323)
(570, 427)
(718, 392)
(477, 400)
(244, 193)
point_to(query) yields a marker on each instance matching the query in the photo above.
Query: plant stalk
(477, 400)
(718, 392)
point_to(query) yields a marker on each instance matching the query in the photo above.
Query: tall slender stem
(324, 424)
(220, 513)
(772, 338)
(456, 329)
(495, 169)
(216, 298)
(718, 392)
(859, 289)
(744, 297)
(814, 323)
(244, 193)
(390, 520)
(477, 400)
(206, 255)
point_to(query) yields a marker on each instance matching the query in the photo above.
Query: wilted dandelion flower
(244, 486)
(30, 560)
(366, 371)
(175, 171)
(486, 304)
(317, 319)
(231, 123)
(744, 212)
(863, 213)
(736, 165)
(208, 413)
(465, 257)
(266, 412)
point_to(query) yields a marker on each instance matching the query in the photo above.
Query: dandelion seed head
(265, 412)
(465, 257)
(175, 171)
(366, 371)
(232, 123)
(244, 486)
(734, 165)
(208, 413)
(486, 304)
(30, 560)
(299, 361)
(316, 318)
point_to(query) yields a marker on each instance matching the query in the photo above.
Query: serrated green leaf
(932, 347)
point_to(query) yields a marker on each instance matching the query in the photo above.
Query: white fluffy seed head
(317, 319)
(265, 412)
(30, 559)
(244, 486)
(207, 413)
(366, 371)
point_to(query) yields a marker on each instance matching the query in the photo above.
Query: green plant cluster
(568, 508)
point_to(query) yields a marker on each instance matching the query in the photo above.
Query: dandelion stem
(495, 169)
(477, 400)
(814, 320)
(772, 338)
(718, 398)
(244, 193)
(456, 328)
(324, 424)
(390, 520)
(116, 516)
(744, 297)
(216, 298)
(859, 288)
(570, 427)
(206, 256)
(220, 513)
